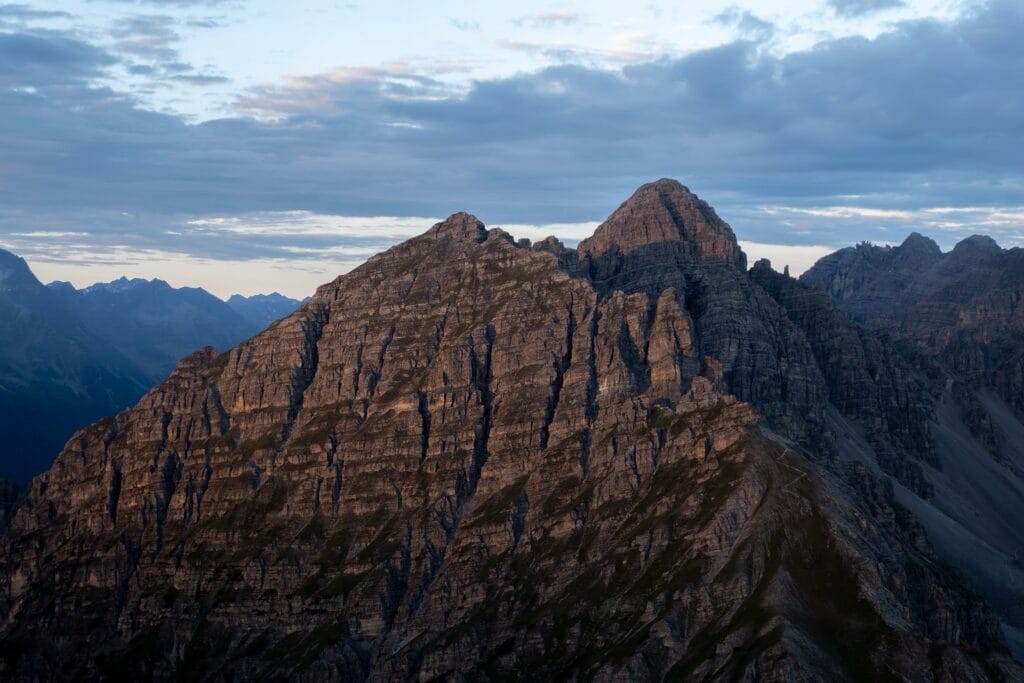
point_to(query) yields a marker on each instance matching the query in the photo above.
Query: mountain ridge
(263, 309)
(69, 356)
(472, 456)
(959, 315)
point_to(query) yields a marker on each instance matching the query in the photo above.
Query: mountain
(69, 357)
(263, 309)
(962, 314)
(965, 307)
(10, 494)
(56, 375)
(153, 324)
(477, 458)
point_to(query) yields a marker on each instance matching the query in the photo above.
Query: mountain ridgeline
(263, 309)
(154, 325)
(56, 374)
(480, 458)
(69, 357)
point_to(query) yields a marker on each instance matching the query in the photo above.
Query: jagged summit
(665, 211)
(977, 244)
(461, 226)
(123, 284)
(919, 244)
(14, 272)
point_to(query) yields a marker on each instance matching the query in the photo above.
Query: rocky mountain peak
(665, 211)
(549, 244)
(462, 227)
(979, 245)
(123, 284)
(15, 273)
(919, 245)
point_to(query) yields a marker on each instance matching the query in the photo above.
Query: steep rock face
(644, 251)
(961, 315)
(966, 307)
(473, 458)
(10, 495)
(867, 380)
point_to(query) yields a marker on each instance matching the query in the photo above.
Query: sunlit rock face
(474, 458)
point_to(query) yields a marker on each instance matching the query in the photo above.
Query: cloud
(925, 116)
(464, 24)
(553, 18)
(746, 23)
(179, 3)
(152, 38)
(148, 36)
(23, 13)
(624, 48)
(199, 79)
(859, 8)
(49, 58)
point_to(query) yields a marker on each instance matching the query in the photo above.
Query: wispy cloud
(25, 13)
(181, 3)
(559, 17)
(860, 8)
(468, 25)
(632, 47)
(149, 43)
(746, 23)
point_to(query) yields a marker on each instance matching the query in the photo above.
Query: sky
(250, 145)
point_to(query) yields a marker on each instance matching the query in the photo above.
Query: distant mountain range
(153, 324)
(263, 309)
(481, 458)
(69, 357)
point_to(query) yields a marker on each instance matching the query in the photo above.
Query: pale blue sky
(238, 143)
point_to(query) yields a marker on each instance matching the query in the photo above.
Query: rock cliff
(966, 307)
(958, 317)
(475, 458)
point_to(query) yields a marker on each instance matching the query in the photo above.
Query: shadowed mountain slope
(69, 357)
(961, 316)
(153, 324)
(56, 375)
